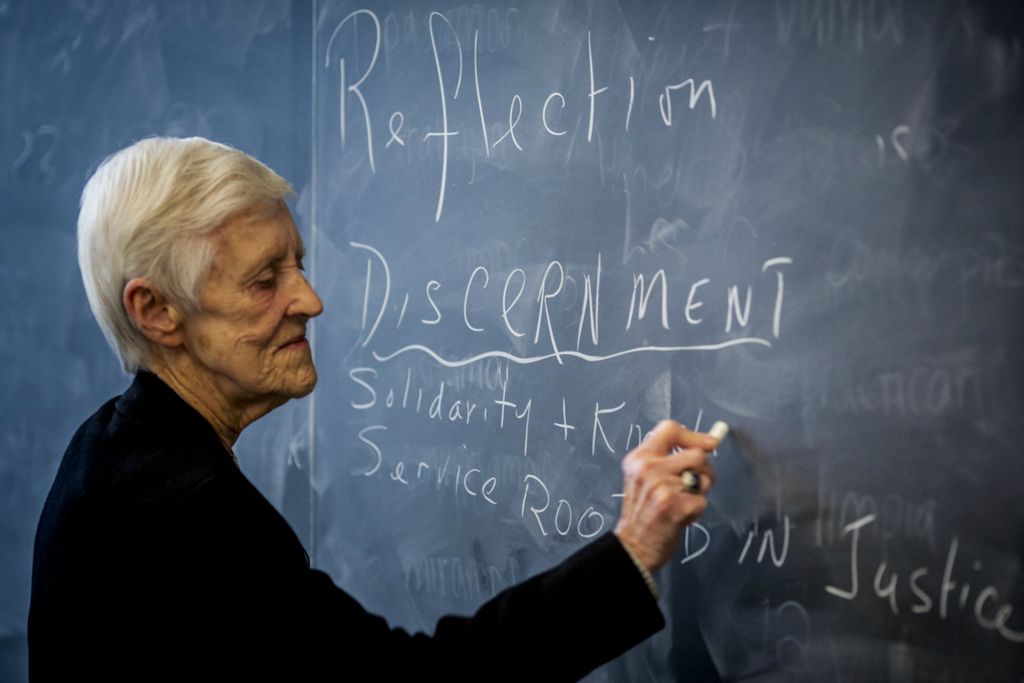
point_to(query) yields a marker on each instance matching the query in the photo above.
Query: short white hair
(149, 211)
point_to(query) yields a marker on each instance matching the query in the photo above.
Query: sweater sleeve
(260, 605)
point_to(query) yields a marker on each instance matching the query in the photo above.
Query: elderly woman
(156, 558)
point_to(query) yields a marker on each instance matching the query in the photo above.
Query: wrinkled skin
(244, 352)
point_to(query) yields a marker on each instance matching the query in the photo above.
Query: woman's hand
(655, 506)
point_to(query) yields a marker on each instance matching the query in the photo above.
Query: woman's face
(250, 332)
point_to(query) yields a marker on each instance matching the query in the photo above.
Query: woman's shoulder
(137, 458)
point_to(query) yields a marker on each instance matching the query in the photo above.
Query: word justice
(955, 593)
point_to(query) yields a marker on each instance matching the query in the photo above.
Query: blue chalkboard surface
(540, 227)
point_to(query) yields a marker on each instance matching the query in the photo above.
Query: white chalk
(719, 430)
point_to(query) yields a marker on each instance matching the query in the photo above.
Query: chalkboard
(540, 227)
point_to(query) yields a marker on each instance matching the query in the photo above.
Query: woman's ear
(155, 316)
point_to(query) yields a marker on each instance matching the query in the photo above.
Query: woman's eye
(265, 284)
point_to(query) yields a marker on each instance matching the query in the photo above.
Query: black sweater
(155, 558)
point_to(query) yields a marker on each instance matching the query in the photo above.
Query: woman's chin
(305, 382)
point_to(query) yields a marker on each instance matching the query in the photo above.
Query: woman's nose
(306, 302)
